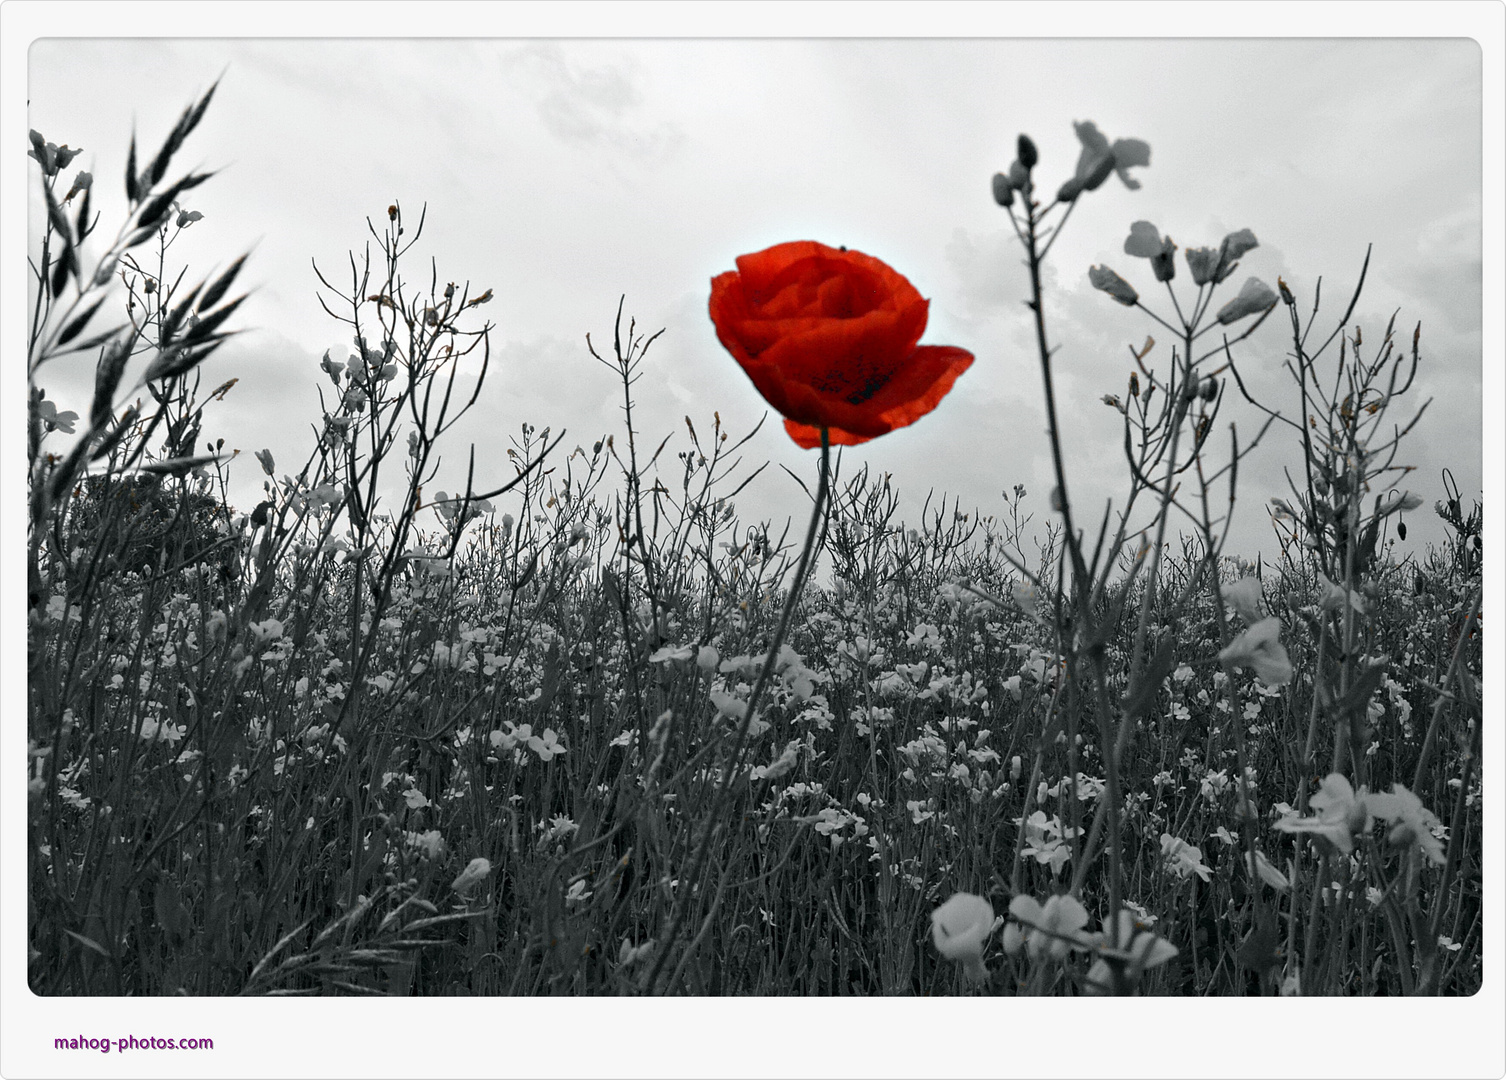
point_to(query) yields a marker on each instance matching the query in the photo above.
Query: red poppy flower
(828, 337)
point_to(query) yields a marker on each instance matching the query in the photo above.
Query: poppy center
(866, 391)
(853, 387)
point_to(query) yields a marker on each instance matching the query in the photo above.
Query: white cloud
(597, 105)
(564, 174)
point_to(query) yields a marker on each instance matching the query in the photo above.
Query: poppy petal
(921, 384)
(830, 337)
(915, 390)
(846, 360)
(809, 438)
(766, 273)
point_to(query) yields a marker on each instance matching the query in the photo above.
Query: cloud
(593, 106)
(990, 278)
(562, 174)
(1444, 270)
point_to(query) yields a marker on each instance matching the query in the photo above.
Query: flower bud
(1026, 150)
(1286, 294)
(1019, 176)
(1003, 192)
(1210, 389)
(1105, 279)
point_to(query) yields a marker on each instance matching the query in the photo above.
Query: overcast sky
(564, 174)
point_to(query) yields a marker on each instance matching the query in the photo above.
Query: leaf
(1148, 687)
(76, 327)
(1356, 699)
(67, 259)
(118, 432)
(140, 236)
(211, 322)
(182, 466)
(157, 211)
(133, 193)
(183, 356)
(186, 123)
(610, 587)
(277, 948)
(64, 473)
(1258, 951)
(82, 229)
(1366, 553)
(55, 215)
(89, 943)
(169, 327)
(172, 917)
(213, 294)
(549, 681)
(94, 341)
(198, 111)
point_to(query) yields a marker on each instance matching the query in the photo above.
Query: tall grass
(500, 741)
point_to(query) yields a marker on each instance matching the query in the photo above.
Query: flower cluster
(1208, 266)
(1343, 813)
(1050, 932)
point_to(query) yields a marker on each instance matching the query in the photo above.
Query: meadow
(591, 733)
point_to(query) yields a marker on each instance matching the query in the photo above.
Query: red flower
(828, 337)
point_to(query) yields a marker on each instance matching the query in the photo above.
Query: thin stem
(1082, 583)
(1053, 429)
(730, 770)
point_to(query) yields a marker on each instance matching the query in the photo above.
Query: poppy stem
(730, 770)
(802, 571)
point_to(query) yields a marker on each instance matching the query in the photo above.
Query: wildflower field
(591, 733)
